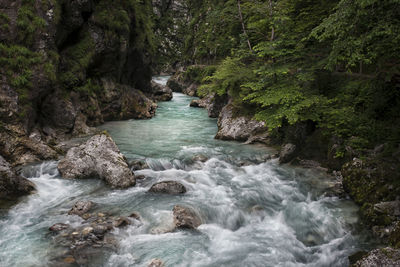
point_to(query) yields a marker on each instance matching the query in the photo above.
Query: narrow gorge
(181, 133)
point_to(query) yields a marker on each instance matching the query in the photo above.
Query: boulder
(196, 103)
(11, 184)
(380, 257)
(161, 92)
(240, 128)
(287, 153)
(168, 187)
(81, 207)
(100, 158)
(185, 217)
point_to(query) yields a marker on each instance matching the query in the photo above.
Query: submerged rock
(156, 263)
(138, 164)
(58, 227)
(185, 217)
(380, 257)
(240, 128)
(100, 158)
(81, 207)
(168, 187)
(287, 153)
(11, 184)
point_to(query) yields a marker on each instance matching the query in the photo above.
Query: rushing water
(255, 211)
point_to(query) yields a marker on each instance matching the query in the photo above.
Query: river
(255, 211)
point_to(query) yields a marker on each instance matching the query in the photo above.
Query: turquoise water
(255, 211)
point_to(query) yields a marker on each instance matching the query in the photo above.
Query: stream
(255, 211)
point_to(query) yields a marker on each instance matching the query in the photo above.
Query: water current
(255, 211)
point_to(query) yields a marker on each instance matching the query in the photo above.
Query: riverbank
(369, 177)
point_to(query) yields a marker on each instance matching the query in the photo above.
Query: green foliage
(18, 65)
(227, 79)
(305, 53)
(4, 22)
(28, 23)
(365, 36)
(197, 73)
(77, 59)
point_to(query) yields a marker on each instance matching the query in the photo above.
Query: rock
(200, 157)
(240, 128)
(213, 103)
(168, 187)
(11, 184)
(87, 230)
(380, 257)
(185, 217)
(122, 102)
(175, 84)
(195, 103)
(100, 158)
(58, 227)
(156, 263)
(80, 127)
(135, 216)
(287, 153)
(81, 207)
(121, 222)
(391, 208)
(161, 92)
(138, 164)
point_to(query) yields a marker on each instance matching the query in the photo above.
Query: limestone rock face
(11, 184)
(100, 158)
(240, 128)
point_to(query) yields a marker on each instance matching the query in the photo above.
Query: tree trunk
(243, 26)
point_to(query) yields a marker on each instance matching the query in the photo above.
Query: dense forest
(316, 81)
(335, 63)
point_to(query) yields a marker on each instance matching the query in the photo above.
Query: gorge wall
(70, 65)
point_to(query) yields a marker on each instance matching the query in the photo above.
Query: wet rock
(380, 257)
(138, 164)
(195, 103)
(121, 222)
(81, 207)
(156, 263)
(58, 227)
(185, 217)
(200, 157)
(161, 92)
(135, 216)
(168, 187)
(240, 128)
(100, 158)
(11, 184)
(287, 153)
(87, 230)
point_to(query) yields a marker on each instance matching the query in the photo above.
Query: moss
(28, 23)
(4, 22)
(76, 61)
(19, 64)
